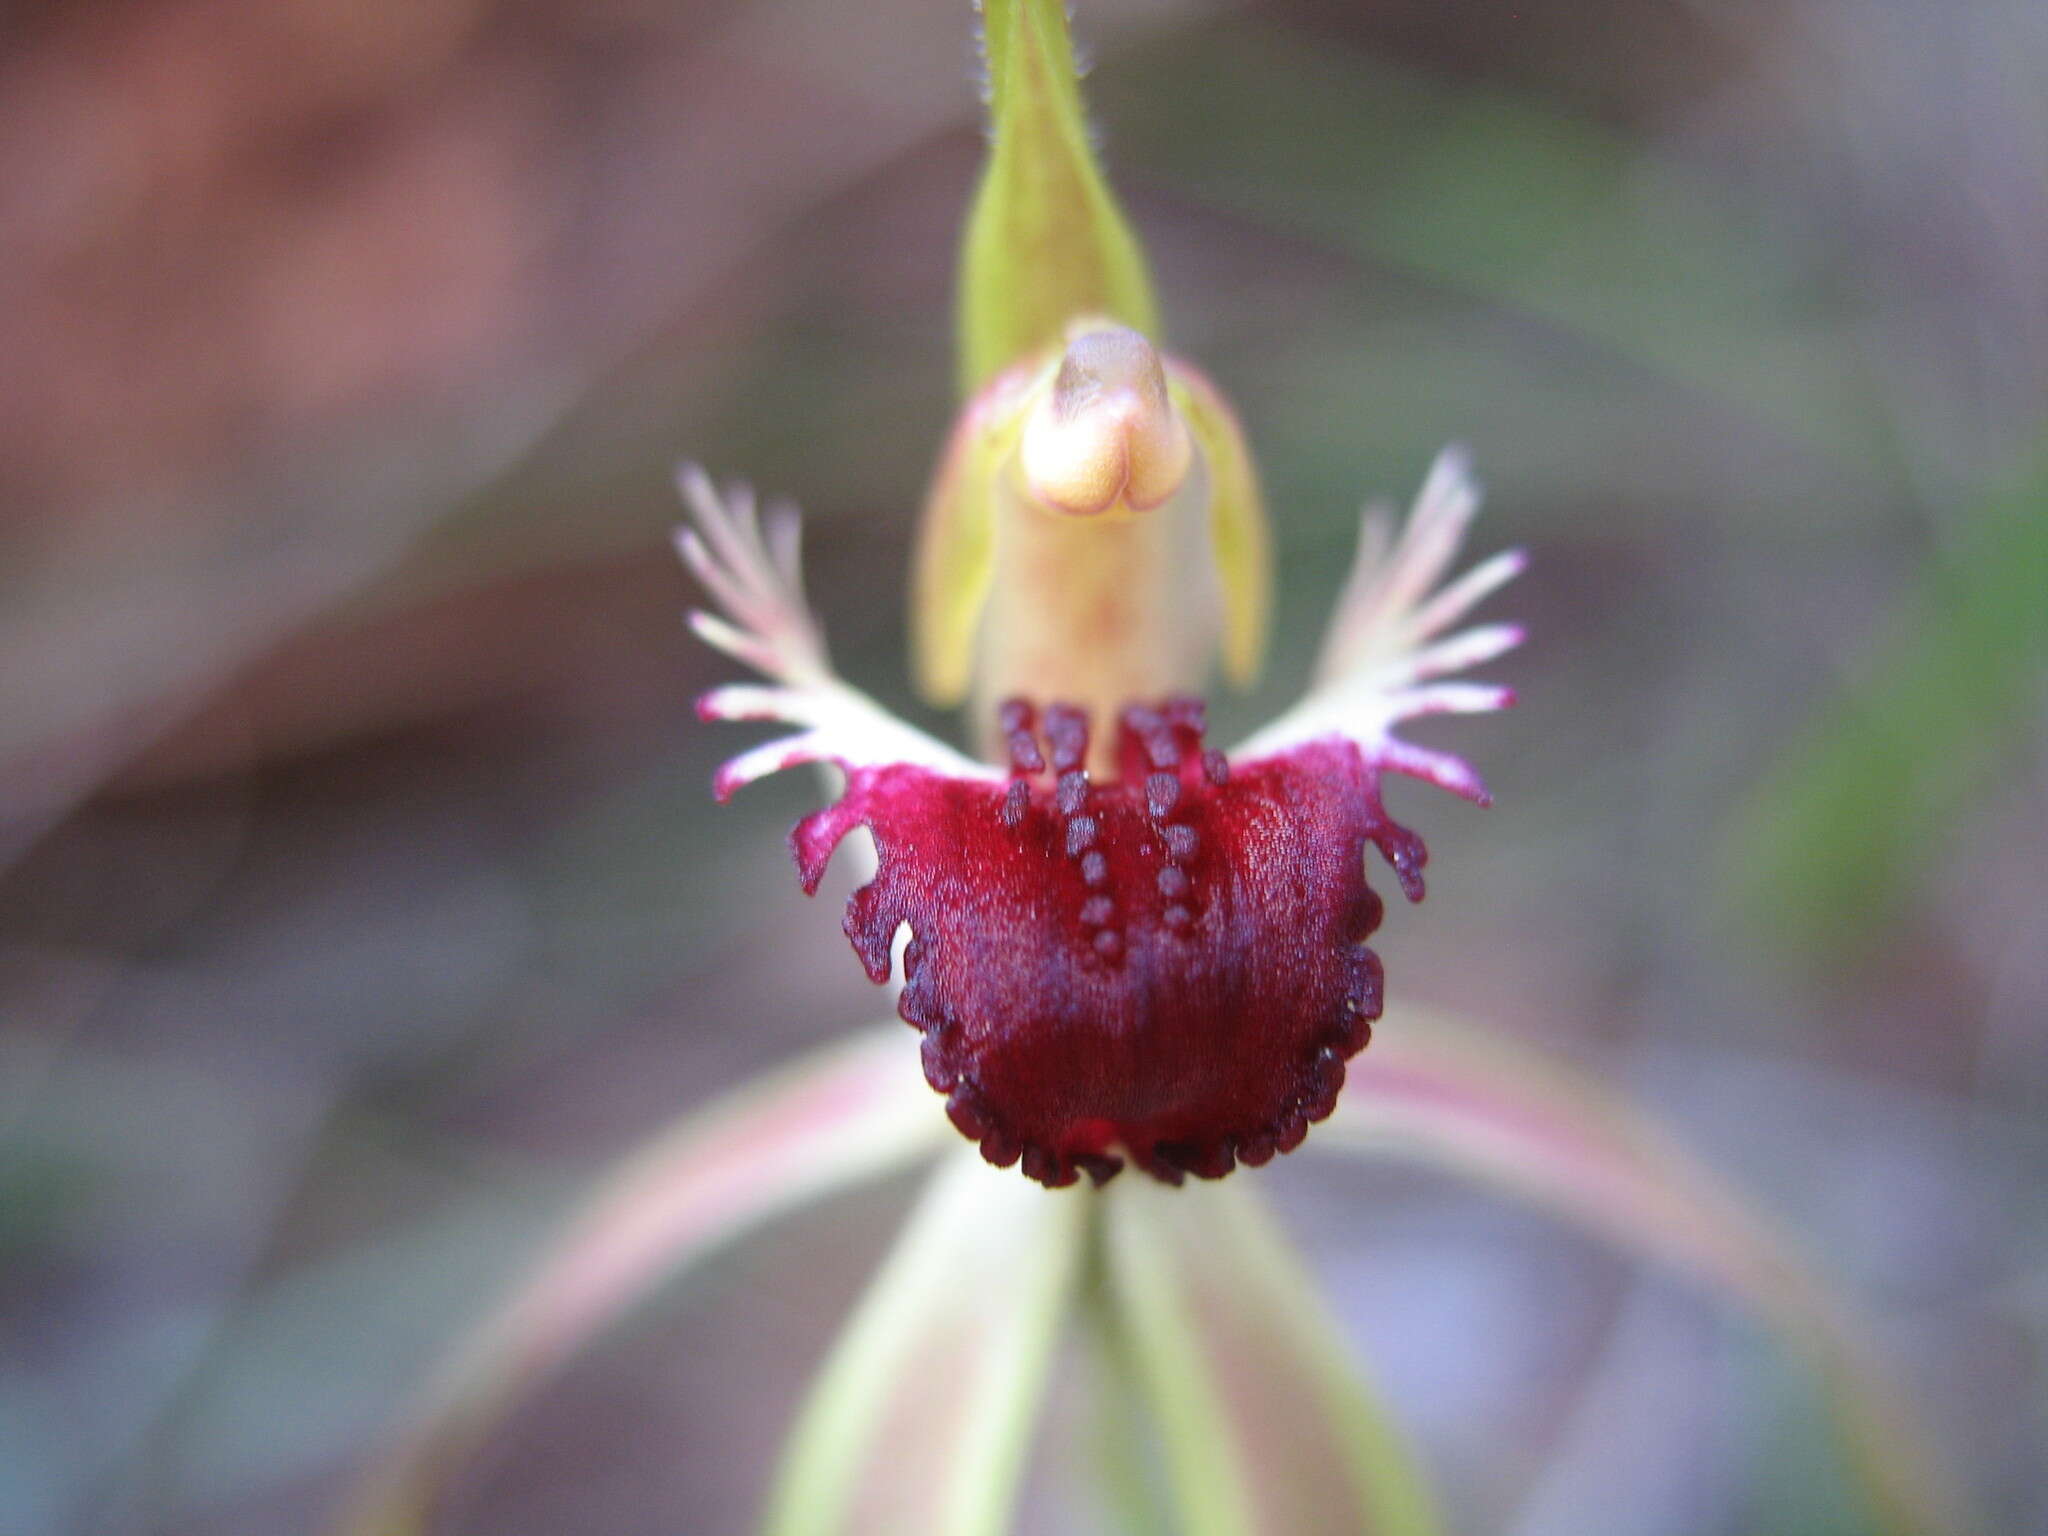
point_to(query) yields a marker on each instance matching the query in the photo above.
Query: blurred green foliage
(1518, 202)
(1824, 851)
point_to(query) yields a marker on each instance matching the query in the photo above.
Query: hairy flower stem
(1045, 241)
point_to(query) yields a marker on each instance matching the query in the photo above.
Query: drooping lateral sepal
(831, 1122)
(1221, 1340)
(921, 1421)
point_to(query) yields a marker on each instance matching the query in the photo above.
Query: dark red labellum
(1169, 967)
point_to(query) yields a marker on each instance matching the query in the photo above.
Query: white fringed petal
(1387, 640)
(753, 573)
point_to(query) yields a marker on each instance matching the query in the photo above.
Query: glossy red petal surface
(1169, 966)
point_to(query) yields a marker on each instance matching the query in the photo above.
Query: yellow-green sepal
(955, 562)
(1238, 536)
(1045, 239)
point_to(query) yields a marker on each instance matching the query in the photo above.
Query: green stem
(1045, 242)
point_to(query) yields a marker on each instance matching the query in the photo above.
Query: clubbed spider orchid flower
(1126, 944)
(1118, 945)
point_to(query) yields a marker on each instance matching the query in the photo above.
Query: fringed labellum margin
(1168, 966)
(1138, 949)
